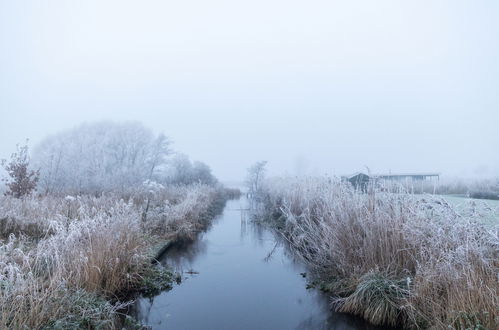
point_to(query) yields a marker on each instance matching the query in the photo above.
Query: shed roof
(407, 174)
(355, 174)
(380, 175)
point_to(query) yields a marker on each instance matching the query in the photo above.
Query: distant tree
(107, 156)
(22, 181)
(254, 178)
(182, 171)
(202, 173)
(160, 148)
(101, 156)
(179, 170)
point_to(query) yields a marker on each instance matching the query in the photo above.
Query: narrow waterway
(235, 276)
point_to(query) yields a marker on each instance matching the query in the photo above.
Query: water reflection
(183, 255)
(238, 276)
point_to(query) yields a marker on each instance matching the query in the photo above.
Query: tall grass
(62, 259)
(391, 257)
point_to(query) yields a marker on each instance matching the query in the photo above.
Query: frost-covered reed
(63, 258)
(391, 257)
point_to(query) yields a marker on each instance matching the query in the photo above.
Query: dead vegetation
(391, 257)
(64, 259)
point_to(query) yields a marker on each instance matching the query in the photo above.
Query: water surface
(235, 276)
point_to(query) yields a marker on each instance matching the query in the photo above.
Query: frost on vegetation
(110, 157)
(368, 246)
(105, 191)
(53, 248)
(177, 212)
(152, 186)
(98, 157)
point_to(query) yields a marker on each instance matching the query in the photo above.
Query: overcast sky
(311, 86)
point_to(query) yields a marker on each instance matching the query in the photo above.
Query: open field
(488, 208)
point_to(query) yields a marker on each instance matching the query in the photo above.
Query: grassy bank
(392, 258)
(67, 262)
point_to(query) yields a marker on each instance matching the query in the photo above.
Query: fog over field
(311, 87)
(264, 164)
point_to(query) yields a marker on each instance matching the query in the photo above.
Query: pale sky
(310, 86)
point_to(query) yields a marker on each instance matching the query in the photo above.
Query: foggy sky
(311, 86)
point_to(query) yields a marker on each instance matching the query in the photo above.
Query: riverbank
(68, 262)
(393, 259)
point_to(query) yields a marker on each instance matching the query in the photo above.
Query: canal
(236, 276)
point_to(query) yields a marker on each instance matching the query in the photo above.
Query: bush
(22, 180)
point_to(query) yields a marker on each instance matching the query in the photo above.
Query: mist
(265, 164)
(317, 87)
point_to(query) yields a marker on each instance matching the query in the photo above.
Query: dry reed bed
(393, 258)
(62, 258)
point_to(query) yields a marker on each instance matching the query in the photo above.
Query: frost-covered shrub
(22, 180)
(31, 216)
(182, 210)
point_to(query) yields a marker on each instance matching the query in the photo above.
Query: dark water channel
(235, 276)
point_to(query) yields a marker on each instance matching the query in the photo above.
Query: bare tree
(101, 156)
(182, 171)
(202, 173)
(255, 177)
(22, 181)
(160, 148)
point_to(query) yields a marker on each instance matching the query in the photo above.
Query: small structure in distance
(360, 180)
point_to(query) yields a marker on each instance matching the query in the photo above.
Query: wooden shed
(358, 180)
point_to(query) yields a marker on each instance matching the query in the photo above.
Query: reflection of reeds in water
(244, 223)
(181, 256)
(271, 253)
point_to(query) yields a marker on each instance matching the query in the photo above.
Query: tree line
(100, 157)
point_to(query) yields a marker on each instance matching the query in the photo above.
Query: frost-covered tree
(202, 173)
(99, 157)
(255, 177)
(181, 170)
(22, 180)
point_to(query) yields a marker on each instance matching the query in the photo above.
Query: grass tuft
(377, 298)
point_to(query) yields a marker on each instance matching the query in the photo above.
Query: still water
(236, 276)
